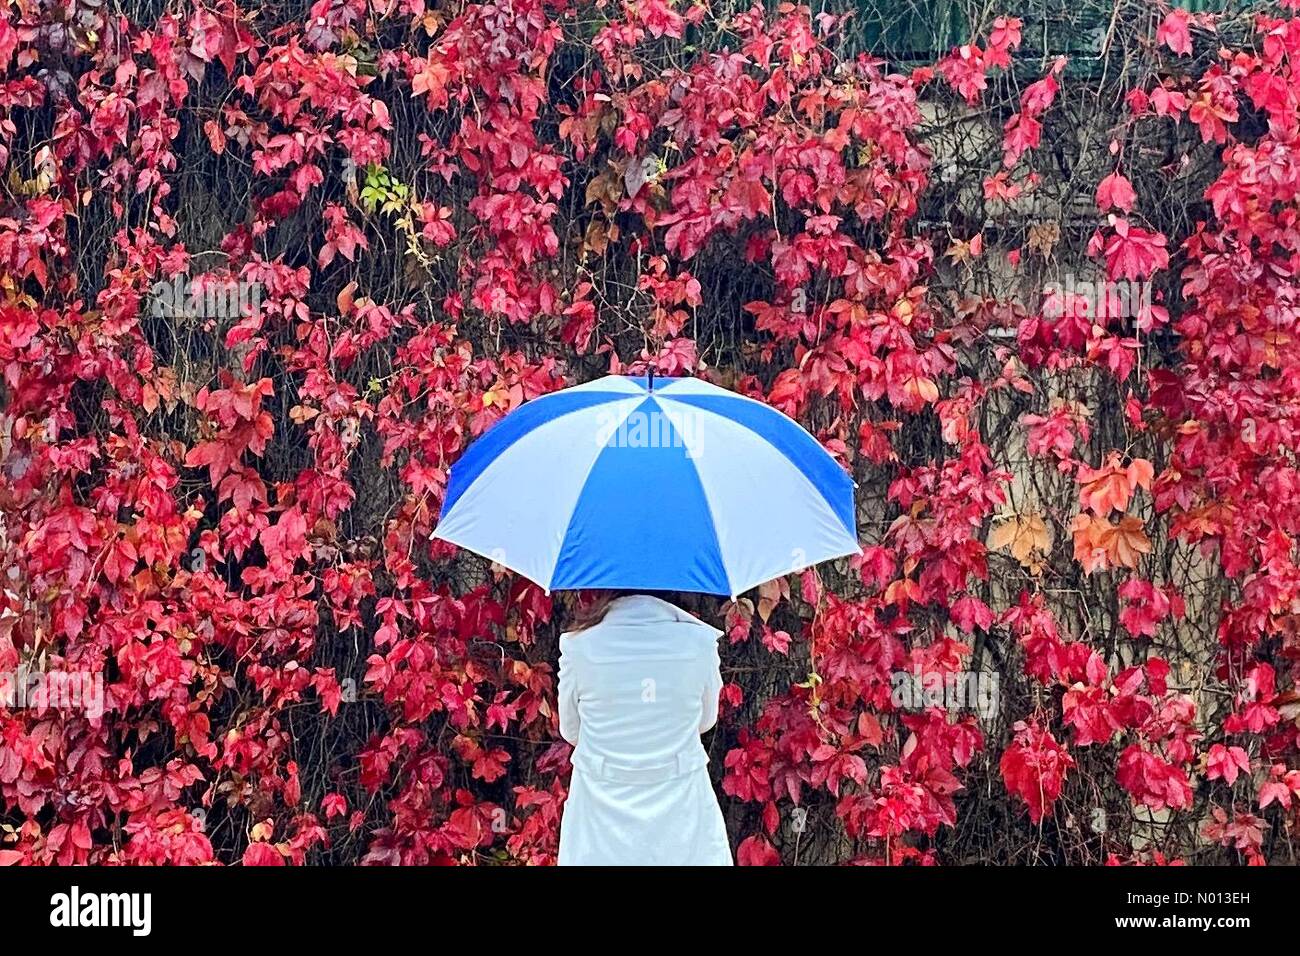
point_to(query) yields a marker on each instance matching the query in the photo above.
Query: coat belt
(603, 768)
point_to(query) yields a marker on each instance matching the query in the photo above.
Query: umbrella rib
(691, 401)
(568, 521)
(708, 503)
(811, 485)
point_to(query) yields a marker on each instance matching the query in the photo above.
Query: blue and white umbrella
(649, 484)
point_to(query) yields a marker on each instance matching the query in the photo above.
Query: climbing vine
(1043, 307)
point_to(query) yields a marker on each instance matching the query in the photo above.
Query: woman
(639, 683)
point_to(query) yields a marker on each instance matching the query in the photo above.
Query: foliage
(451, 209)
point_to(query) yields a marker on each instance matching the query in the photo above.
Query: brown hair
(588, 608)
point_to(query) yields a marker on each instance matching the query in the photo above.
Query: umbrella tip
(650, 378)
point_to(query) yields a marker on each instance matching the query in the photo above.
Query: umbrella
(649, 484)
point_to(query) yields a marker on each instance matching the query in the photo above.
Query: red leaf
(1175, 33)
(1115, 192)
(756, 851)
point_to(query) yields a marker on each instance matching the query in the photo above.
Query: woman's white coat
(636, 691)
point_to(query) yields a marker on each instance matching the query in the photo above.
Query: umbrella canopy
(649, 484)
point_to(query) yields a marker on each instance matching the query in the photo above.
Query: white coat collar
(646, 609)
